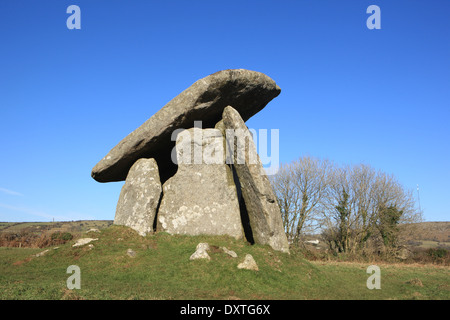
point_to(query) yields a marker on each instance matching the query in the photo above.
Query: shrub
(66, 236)
(60, 237)
(55, 235)
(439, 253)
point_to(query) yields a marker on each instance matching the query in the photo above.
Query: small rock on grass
(40, 254)
(83, 241)
(131, 253)
(249, 263)
(93, 230)
(201, 252)
(203, 245)
(229, 252)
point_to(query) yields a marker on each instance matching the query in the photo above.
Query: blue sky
(349, 94)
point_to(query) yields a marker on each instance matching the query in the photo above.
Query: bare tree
(339, 207)
(395, 205)
(351, 204)
(287, 197)
(364, 204)
(301, 189)
(311, 178)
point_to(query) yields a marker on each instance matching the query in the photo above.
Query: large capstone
(247, 91)
(139, 197)
(201, 197)
(260, 201)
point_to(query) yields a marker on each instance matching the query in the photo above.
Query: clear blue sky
(350, 94)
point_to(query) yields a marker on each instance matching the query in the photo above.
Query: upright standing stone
(201, 197)
(260, 201)
(139, 197)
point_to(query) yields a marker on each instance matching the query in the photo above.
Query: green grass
(162, 270)
(427, 244)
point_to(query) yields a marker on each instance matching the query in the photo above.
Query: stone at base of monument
(139, 197)
(201, 197)
(249, 263)
(201, 252)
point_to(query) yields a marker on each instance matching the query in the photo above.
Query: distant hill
(69, 226)
(427, 234)
(32, 234)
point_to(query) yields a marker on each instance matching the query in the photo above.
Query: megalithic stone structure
(260, 201)
(247, 91)
(181, 180)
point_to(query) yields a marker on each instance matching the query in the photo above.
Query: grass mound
(161, 269)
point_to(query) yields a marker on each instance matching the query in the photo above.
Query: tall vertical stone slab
(201, 197)
(229, 161)
(139, 197)
(260, 201)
